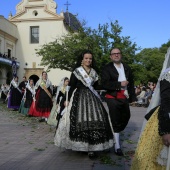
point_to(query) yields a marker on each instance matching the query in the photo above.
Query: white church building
(35, 23)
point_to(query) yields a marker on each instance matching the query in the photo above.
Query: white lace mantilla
(14, 83)
(93, 76)
(165, 76)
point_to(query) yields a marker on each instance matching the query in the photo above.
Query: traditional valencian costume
(4, 92)
(14, 95)
(85, 126)
(61, 90)
(151, 153)
(28, 97)
(118, 97)
(42, 105)
(22, 85)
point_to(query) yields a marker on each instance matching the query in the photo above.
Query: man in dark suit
(23, 84)
(118, 82)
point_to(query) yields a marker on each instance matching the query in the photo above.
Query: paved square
(26, 144)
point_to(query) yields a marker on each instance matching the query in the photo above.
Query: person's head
(116, 55)
(16, 78)
(147, 89)
(44, 75)
(66, 81)
(143, 89)
(85, 59)
(31, 82)
(24, 78)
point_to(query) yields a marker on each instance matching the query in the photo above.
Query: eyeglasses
(115, 54)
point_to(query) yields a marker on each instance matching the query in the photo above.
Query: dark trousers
(119, 113)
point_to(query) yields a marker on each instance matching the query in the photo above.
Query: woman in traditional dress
(14, 95)
(61, 89)
(4, 92)
(28, 97)
(152, 150)
(42, 105)
(85, 126)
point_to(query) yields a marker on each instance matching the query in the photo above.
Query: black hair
(144, 88)
(80, 58)
(66, 78)
(15, 77)
(115, 48)
(44, 72)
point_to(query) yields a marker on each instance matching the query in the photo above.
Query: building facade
(35, 23)
(8, 40)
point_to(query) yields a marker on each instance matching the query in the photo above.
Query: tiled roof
(71, 21)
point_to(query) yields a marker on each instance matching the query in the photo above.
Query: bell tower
(50, 5)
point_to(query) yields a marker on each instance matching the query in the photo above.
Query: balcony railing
(6, 60)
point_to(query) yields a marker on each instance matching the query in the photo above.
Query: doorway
(34, 77)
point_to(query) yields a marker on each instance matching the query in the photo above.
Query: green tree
(148, 65)
(164, 47)
(63, 52)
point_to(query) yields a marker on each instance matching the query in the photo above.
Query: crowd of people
(144, 93)
(6, 56)
(77, 111)
(81, 120)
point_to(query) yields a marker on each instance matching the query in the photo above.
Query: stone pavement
(26, 144)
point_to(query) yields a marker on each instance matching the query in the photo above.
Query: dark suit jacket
(22, 85)
(109, 80)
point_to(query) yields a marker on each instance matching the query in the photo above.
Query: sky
(147, 22)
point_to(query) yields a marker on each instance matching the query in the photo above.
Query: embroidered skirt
(42, 106)
(23, 109)
(148, 154)
(14, 99)
(85, 126)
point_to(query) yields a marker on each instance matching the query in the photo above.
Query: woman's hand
(66, 103)
(166, 139)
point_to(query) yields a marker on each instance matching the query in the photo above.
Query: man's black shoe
(119, 152)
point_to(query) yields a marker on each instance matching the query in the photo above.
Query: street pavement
(26, 144)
